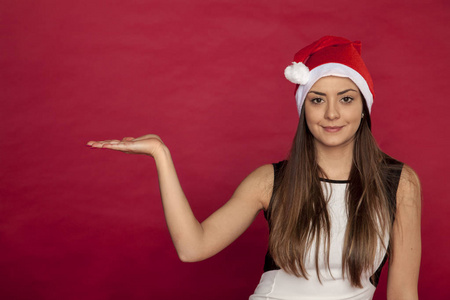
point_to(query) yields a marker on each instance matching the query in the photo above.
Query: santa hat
(329, 56)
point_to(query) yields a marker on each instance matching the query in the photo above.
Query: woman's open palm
(148, 144)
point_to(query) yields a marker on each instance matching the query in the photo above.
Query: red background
(207, 76)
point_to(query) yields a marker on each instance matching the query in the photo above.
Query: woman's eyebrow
(343, 92)
(321, 94)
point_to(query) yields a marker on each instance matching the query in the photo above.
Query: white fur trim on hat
(297, 73)
(333, 69)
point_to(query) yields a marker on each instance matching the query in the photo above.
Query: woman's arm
(404, 261)
(196, 241)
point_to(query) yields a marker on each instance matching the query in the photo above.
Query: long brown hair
(298, 212)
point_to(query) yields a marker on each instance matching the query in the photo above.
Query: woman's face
(333, 110)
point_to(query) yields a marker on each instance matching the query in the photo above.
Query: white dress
(279, 285)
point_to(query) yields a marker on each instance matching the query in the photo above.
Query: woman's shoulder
(266, 173)
(263, 173)
(265, 178)
(258, 184)
(406, 174)
(409, 189)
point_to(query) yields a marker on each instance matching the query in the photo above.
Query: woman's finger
(99, 144)
(95, 144)
(113, 142)
(127, 147)
(117, 146)
(90, 143)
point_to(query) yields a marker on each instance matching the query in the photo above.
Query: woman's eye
(316, 100)
(347, 99)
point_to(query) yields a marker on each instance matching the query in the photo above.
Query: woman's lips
(332, 128)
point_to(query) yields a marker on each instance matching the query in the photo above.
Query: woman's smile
(332, 129)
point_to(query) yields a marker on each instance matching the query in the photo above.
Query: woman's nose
(332, 112)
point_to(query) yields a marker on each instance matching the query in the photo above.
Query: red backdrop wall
(207, 76)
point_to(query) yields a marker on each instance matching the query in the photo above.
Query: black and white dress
(277, 284)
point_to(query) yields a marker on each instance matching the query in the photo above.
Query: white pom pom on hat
(297, 73)
(329, 56)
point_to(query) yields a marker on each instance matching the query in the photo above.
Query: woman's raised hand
(149, 144)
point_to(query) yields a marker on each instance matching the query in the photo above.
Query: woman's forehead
(334, 82)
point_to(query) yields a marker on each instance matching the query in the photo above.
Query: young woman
(336, 208)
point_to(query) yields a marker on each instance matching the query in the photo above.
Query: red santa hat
(329, 56)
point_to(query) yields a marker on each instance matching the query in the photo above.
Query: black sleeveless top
(391, 176)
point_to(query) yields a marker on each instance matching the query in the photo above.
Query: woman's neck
(336, 162)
